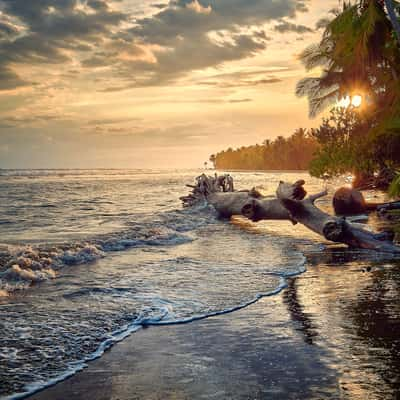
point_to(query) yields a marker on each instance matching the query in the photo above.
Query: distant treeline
(292, 153)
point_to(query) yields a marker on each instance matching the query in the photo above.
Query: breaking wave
(21, 266)
(131, 272)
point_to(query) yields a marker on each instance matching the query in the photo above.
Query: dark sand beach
(179, 180)
(333, 333)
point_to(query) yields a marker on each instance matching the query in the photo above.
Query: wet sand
(333, 333)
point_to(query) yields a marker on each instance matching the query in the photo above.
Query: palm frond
(315, 55)
(318, 104)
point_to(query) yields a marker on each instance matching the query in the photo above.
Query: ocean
(87, 257)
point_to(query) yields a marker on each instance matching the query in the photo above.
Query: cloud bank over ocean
(211, 66)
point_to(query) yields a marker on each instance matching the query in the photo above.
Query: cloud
(120, 88)
(179, 37)
(10, 80)
(21, 121)
(182, 31)
(240, 101)
(160, 6)
(7, 29)
(50, 27)
(244, 78)
(111, 121)
(285, 27)
(242, 83)
(178, 21)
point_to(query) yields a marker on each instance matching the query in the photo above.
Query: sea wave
(161, 313)
(21, 266)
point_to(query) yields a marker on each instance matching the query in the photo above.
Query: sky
(149, 83)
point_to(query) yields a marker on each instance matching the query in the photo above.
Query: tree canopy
(292, 153)
(358, 55)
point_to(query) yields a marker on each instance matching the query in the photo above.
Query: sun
(347, 101)
(356, 101)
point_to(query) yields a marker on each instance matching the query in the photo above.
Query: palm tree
(359, 54)
(356, 53)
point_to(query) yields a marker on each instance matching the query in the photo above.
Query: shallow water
(332, 333)
(90, 256)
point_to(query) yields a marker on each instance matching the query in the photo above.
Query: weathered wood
(243, 203)
(251, 204)
(291, 205)
(205, 186)
(348, 201)
(333, 228)
(258, 209)
(395, 205)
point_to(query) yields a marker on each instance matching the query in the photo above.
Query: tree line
(292, 153)
(357, 63)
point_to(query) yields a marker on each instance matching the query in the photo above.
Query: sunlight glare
(344, 102)
(356, 100)
(348, 101)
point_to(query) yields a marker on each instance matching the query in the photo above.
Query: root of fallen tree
(335, 229)
(230, 202)
(291, 204)
(348, 201)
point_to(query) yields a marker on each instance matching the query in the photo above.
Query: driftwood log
(228, 202)
(206, 186)
(348, 201)
(335, 229)
(291, 204)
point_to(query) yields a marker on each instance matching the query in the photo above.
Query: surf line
(138, 323)
(283, 284)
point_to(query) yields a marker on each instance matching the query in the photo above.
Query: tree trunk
(290, 205)
(332, 228)
(244, 203)
(347, 201)
(249, 203)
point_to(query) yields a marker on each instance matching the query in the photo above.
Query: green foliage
(342, 146)
(394, 189)
(357, 54)
(293, 153)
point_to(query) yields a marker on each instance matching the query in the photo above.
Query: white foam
(27, 265)
(81, 255)
(15, 272)
(282, 285)
(164, 311)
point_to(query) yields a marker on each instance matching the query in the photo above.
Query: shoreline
(275, 171)
(124, 333)
(302, 343)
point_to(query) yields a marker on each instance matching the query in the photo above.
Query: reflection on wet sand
(347, 303)
(298, 314)
(333, 334)
(350, 306)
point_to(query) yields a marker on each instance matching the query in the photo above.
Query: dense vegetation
(293, 153)
(358, 57)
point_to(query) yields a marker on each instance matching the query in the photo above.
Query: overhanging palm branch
(355, 53)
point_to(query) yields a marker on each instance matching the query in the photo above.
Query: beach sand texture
(332, 334)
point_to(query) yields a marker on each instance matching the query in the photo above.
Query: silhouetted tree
(292, 153)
